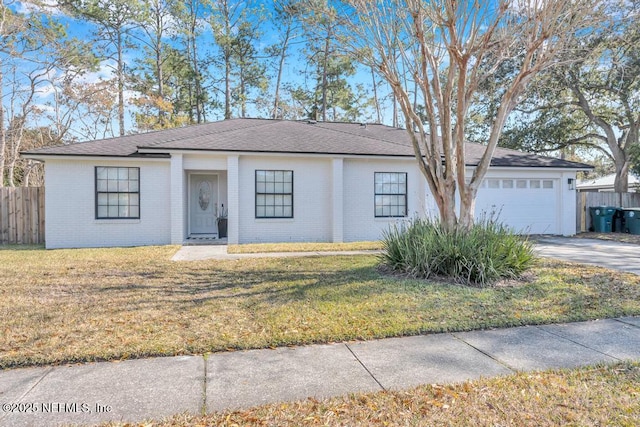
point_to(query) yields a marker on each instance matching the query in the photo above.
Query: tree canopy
(592, 100)
(429, 66)
(439, 55)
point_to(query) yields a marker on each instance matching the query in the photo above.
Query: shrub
(486, 253)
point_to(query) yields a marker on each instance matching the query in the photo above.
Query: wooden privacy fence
(21, 215)
(587, 199)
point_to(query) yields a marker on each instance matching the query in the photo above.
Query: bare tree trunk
(191, 87)
(325, 64)
(200, 111)
(467, 209)
(3, 134)
(27, 174)
(227, 87)
(159, 73)
(192, 47)
(243, 98)
(33, 175)
(120, 84)
(395, 112)
(375, 96)
(283, 54)
(16, 141)
(621, 182)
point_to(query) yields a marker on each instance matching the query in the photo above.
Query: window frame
(405, 194)
(265, 193)
(97, 194)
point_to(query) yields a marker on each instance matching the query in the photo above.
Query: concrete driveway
(614, 255)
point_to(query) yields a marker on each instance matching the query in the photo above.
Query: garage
(528, 205)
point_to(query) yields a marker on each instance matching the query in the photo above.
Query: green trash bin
(632, 220)
(618, 221)
(602, 218)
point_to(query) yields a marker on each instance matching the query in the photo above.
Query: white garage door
(530, 206)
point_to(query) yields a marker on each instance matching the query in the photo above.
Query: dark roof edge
(128, 156)
(574, 165)
(312, 153)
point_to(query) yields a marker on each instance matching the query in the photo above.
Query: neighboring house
(605, 183)
(281, 181)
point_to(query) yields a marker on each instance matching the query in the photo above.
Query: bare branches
(448, 49)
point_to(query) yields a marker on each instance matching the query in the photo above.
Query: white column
(233, 200)
(177, 200)
(567, 205)
(337, 192)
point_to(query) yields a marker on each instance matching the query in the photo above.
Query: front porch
(205, 241)
(202, 193)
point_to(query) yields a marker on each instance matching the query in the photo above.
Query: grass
(107, 304)
(303, 247)
(592, 396)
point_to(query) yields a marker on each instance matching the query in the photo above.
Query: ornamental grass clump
(486, 253)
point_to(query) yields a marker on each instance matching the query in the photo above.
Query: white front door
(203, 195)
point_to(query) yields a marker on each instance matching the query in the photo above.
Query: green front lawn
(103, 304)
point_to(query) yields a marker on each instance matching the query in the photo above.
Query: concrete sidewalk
(134, 390)
(219, 252)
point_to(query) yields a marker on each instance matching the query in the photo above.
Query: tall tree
(226, 16)
(156, 23)
(249, 69)
(190, 15)
(593, 101)
(82, 111)
(36, 59)
(171, 108)
(11, 25)
(449, 48)
(114, 20)
(286, 18)
(328, 66)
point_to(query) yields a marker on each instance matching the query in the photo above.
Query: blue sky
(292, 72)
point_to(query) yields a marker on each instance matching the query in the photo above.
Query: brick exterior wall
(312, 201)
(333, 200)
(360, 222)
(70, 206)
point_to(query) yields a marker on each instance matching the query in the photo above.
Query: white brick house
(279, 181)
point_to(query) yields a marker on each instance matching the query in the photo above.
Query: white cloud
(104, 72)
(28, 7)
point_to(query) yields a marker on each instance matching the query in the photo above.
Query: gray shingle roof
(281, 136)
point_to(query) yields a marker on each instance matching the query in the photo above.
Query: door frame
(189, 198)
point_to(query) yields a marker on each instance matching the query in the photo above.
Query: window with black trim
(390, 194)
(117, 192)
(274, 194)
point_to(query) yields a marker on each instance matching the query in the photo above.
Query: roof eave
(43, 156)
(276, 152)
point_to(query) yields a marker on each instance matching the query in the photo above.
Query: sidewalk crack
(365, 367)
(490, 356)
(626, 323)
(203, 407)
(578, 343)
(19, 399)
